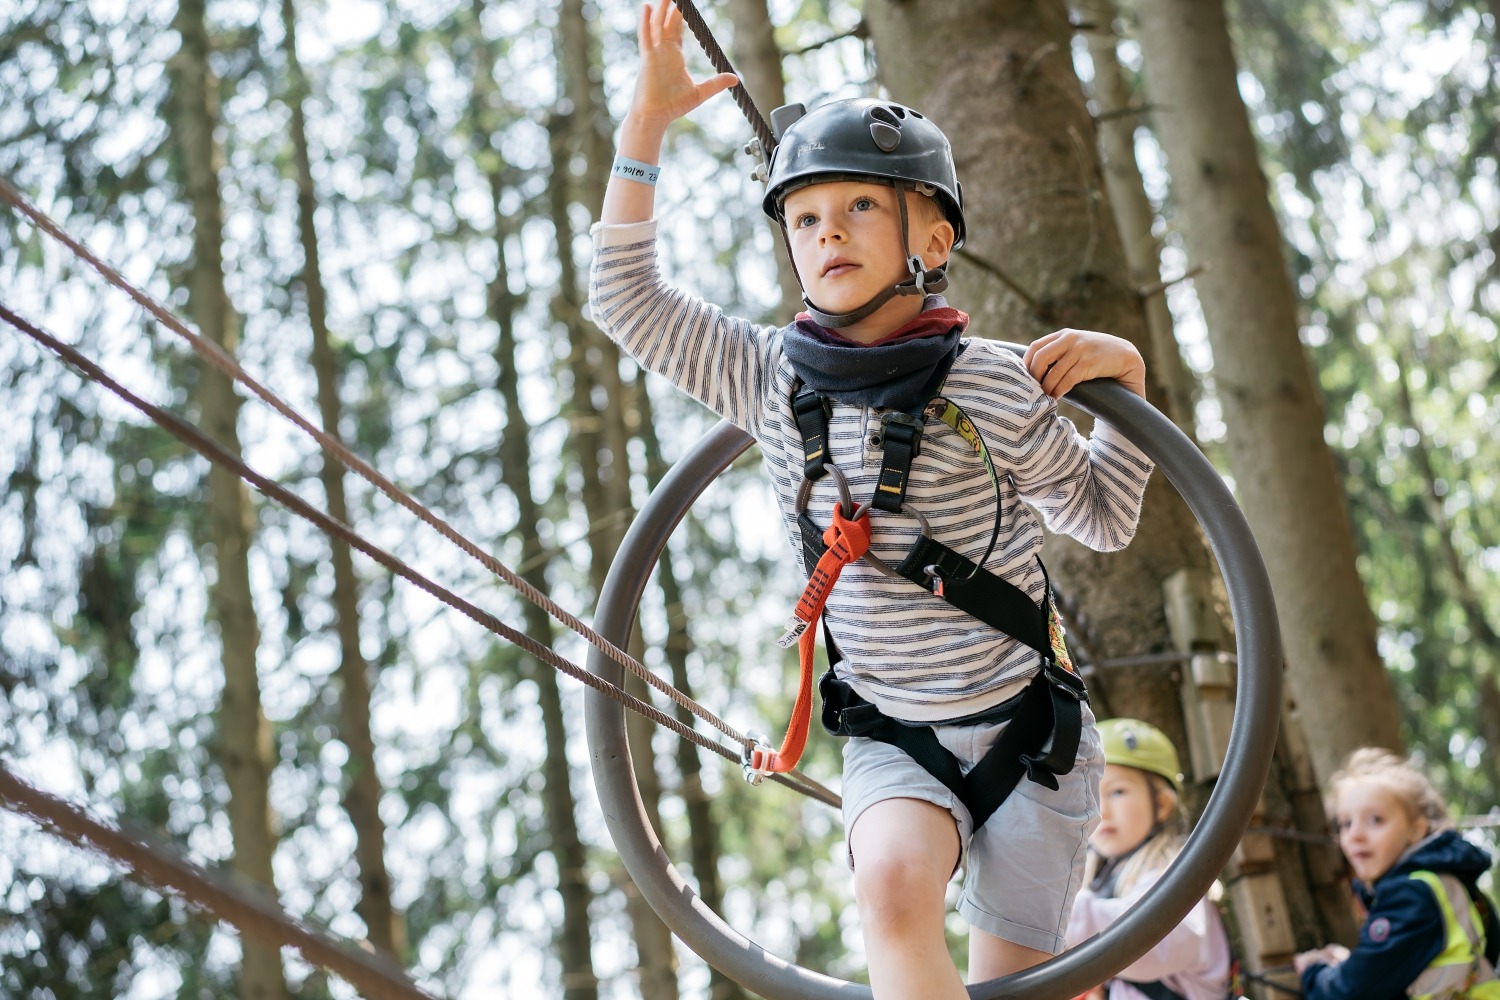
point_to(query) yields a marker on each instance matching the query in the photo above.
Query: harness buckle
(1064, 680)
(934, 579)
(904, 427)
(756, 759)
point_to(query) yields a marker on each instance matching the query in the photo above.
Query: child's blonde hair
(1397, 775)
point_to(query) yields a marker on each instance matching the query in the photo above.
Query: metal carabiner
(755, 742)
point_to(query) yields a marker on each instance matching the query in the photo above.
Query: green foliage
(434, 183)
(1388, 203)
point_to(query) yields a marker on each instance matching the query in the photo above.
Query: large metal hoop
(1208, 849)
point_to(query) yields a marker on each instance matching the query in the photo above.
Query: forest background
(382, 209)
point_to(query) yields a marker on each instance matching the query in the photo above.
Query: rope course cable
(341, 453)
(337, 450)
(216, 452)
(693, 18)
(244, 905)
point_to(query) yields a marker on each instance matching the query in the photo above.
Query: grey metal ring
(879, 563)
(846, 499)
(1208, 849)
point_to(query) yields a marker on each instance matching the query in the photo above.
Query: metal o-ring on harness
(1209, 847)
(846, 501)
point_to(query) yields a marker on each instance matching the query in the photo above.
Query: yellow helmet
(1137, 744)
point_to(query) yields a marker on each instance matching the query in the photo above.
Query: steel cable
(246, 906)
(337, 450)
(216, 452)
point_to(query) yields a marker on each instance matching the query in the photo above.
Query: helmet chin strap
(921, 282)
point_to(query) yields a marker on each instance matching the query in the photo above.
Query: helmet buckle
(918, 275)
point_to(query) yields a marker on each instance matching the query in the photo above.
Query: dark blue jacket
(1404, 931)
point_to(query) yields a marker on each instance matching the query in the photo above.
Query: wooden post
(1258, 906)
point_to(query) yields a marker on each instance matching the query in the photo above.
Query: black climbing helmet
(857, 138)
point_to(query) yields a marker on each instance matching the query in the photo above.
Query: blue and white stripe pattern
(911, 653)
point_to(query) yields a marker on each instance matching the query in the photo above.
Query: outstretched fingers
(665, 91)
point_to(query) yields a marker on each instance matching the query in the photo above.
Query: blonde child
(870, 207)
(1429, 931)
(1138, 836)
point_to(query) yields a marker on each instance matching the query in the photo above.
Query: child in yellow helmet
(1138, 836)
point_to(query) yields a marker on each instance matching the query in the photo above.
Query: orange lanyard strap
(847, 538)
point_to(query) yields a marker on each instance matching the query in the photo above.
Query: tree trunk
(1024, 146)
(243, 747)
(1134, 214)
(1283, 469)
(757, 59)
(601, 423)
(574, 938)
(363, 789)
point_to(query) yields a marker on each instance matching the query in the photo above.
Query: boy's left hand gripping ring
(758, 758)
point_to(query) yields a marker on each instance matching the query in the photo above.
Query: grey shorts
(1023, 868)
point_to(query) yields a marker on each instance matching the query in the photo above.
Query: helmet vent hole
(888, 115)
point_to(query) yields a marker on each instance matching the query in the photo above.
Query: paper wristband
(635, 170)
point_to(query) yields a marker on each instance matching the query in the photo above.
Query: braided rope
(247, 906)
(694, 20)
(216, 452)
(336, 449)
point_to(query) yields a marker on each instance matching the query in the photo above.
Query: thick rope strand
(247, 906)
(216, 452)
(336, 449)
(693, 18)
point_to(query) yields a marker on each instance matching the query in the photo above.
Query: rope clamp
(756, 760)
(757, 152)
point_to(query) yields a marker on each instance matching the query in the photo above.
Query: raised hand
(664, 90)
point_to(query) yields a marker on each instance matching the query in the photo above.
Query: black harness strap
(995, 601)
(811, 413)
(1051, 706)
(901, 434)
(989, 782)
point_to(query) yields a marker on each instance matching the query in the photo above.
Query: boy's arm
(664, 92)
(1089, 488)
(719, 360)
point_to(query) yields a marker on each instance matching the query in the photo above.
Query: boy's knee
(898, 892)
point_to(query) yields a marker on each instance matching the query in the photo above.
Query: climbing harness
(1047, 713)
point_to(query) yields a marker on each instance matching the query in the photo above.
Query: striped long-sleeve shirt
(908, 651)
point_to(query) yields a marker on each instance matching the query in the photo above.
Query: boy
(871, 209)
